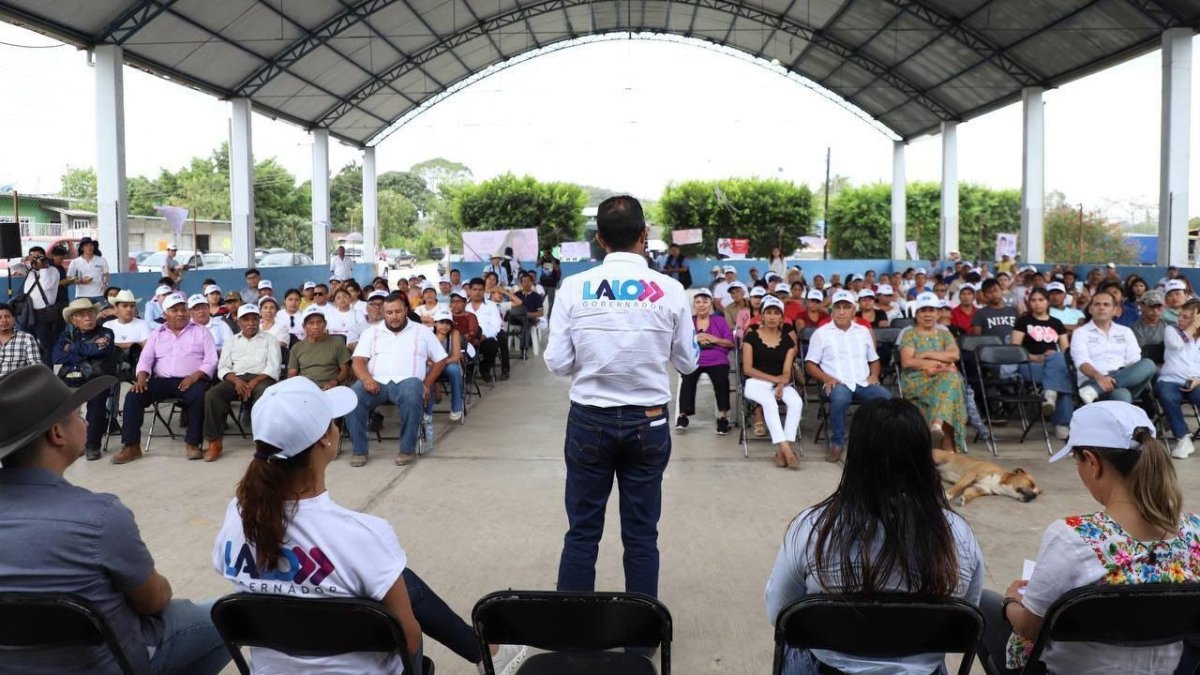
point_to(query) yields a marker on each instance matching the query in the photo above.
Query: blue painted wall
(282, 278)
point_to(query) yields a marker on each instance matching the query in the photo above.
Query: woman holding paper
(1142, 535)
(887, 528)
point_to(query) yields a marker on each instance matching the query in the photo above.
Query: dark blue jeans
(633, 444)
(438, 621)
(158, 389)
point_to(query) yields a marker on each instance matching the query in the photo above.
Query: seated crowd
(1101, 338)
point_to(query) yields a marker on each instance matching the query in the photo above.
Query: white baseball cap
(702, 291)
(866, 293)
(944, 304)
(458, 293)
(927, 300)
(294, 414)
(716, 268)
(212, 288)
(310, 311)
(729, 269)
(737, 284)
(173, 299)
(1175, 285)
(921, 270)
(248, 309)
(758, 292)
(442, 314)
(266, 283)
(816, 295)
(444, 280)
(163, 290)
(971, 287)
(195, 301)
(771, 275)
(1105, 424)
(772, 301)
(308, 284)
(427, 286)
(263, 301)
(172, 247)
(885, 289)
(376, 294)
(844, 296)
(1055, 286)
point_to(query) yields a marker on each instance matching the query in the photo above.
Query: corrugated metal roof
(356, 66)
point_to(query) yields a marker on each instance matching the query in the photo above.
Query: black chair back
(880, 626)
(970, 343)
(1119, 616)
(1156, 353)
(887, 336)
(902, 323)
(1001, 355)
(308, 627)
(56, 621)
(563, 621)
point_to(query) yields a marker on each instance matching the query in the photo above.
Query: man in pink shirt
(178, 361)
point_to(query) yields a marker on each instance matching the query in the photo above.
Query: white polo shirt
(615, 330)
(394, 357)
(1106, 352)
(488, 314)
(95, 268)
(136, 330)
(341, 268)
(844, 354)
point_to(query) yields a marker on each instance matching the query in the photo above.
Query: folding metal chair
(578, 628)
(884, 626)
(309, 627)
(1015, 391)
(56, 621)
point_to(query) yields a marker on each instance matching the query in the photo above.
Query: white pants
(763, 393)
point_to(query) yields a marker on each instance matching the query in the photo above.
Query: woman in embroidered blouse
(1179, 378)
(1142, 535)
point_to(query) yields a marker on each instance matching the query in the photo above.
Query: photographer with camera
(41, 291)
(86, 351)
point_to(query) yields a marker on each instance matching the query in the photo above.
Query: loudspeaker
(10, 240)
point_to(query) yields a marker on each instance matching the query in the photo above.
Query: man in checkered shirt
(17, 349)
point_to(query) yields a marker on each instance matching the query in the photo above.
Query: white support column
(241, 182)
(112, 192)
(1033, 177)
(948, 239)
(1176, 139)
(321, 224)
(899, 202)
(370, 202)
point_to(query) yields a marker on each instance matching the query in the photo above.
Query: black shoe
(376, 424)
(723, 426)
(504, 375)
(681, 422)
(93, 454)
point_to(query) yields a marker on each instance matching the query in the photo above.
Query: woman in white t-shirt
(284, 534)
(1142, 535)
(289, 314)
(341, 319)
(270, 323)
(890, 498)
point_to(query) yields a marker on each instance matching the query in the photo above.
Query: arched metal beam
(785, 24)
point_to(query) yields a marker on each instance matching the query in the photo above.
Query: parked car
(398, 257)
(455, 259)
(45, 242)
(437, 253)
(284, 259)
(189, 259)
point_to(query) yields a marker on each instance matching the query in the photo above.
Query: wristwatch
(1004, 608)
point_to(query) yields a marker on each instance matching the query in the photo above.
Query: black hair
(620, 222)
(988, 285)
(110, 289)
(452, 271)
(289, 291)
(209, 281)
(5, 307)
(1032, 292)
(166, 281)
(252, 270)
(491, 274)
(477, 281)
(890, 500)
(397, 296)
(36, 249)
(321, 286)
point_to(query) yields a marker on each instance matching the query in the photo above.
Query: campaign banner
(481, 246)
(175, 215)
(1006, 245)
(685, 237)
(911, 248)
(735, 249)
(580, 250)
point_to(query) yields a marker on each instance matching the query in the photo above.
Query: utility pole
(828, 155)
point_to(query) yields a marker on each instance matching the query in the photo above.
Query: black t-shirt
(880, 318)
(998, 322)
(770, 359)
(1041, 335)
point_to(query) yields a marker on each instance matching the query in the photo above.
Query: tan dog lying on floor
(971, 478)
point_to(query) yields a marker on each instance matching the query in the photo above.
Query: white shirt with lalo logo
(328, 552)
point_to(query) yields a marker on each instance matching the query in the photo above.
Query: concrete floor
(484, 512)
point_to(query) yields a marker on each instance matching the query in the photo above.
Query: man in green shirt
(322, 358)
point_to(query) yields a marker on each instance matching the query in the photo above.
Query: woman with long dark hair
(1141, 536)
(887, 528)
(282, 498)
(1047, 341)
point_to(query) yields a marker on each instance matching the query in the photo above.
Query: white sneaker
(1088, 395)
(507, 660)
(455, 415)
(1183, 448)
(1062, 432)
(1049, 401)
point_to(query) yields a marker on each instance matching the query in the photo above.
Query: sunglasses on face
(320, 294)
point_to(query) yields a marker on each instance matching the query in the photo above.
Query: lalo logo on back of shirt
(621, 293)
(303, 573)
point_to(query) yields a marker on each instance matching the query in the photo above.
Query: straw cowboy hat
(33, 400)
(79, 305)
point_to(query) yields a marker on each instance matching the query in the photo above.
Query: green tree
(79, 186)
(507, 202)
(397, 219)
(408, 184)
(767, 212)
(1079, 236)
(345, 191)
(439, 171)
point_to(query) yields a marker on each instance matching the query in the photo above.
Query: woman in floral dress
(1142, 535)
(930, 378)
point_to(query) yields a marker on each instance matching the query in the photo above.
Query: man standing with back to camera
(618, 327)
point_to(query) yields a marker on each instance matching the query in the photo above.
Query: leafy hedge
(507, 202)
(768, 212)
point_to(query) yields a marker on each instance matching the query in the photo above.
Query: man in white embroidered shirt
(615, 330)
(1107, 357)
(841, 356)
(391, 364)
(249, 364)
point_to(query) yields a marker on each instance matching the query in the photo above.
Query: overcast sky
(631, 115)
